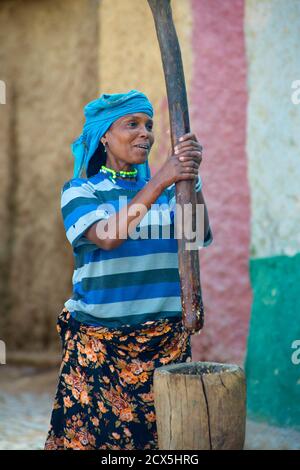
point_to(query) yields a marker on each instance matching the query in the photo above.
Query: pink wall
(218, 101)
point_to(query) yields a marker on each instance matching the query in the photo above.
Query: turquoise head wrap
(100, 114)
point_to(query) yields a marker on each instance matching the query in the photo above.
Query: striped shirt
(139, 280)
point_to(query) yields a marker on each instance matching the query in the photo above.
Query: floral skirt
(104, 397)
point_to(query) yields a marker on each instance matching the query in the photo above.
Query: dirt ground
(26, 398)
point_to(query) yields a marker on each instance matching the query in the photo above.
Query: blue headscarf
(100, 114)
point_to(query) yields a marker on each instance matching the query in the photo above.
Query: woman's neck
(118, 165)
(131, 177)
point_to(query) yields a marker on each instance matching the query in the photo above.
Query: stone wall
(48, 61)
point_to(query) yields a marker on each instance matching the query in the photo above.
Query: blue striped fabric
(139, 280)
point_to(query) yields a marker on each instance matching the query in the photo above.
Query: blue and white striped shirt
(135, 282)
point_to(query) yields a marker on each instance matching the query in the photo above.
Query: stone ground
(26, 398)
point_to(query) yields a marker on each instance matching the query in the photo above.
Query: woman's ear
(103, 139)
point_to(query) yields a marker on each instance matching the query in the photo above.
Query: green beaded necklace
(121, 173)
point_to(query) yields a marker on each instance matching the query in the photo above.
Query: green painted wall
(273, 381)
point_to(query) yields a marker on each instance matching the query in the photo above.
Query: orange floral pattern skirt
(104, 397)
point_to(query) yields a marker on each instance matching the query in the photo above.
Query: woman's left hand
(190, 150)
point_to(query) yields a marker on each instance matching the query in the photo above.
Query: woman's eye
(134, 124)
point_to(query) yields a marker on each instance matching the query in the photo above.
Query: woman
(124, 318)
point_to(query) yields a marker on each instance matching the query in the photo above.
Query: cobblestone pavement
(26, 399)
(24, 421)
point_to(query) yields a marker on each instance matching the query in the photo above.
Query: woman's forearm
(110, 233)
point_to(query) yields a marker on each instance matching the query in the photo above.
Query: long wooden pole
(188, 260)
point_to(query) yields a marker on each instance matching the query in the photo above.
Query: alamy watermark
(2, 352)
(295, 96)
(2, 92)
(156, 223)
(295, 358)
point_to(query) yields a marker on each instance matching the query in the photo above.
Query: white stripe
(105, 185)
(73, 192)
(84, 222)
(127, 264)
(129, 307)
(87, 190)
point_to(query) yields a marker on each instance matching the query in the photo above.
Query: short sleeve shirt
(135, 282)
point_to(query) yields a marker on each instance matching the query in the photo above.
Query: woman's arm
(112, 232)
(120, 224)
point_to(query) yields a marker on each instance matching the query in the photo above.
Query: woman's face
(130, 138)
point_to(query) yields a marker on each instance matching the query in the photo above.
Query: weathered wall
(129, 58)
(218, 110)
(212, 42)
(272, 36)
(49, 63)
(54, 62)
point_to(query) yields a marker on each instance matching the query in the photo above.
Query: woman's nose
(144, 131)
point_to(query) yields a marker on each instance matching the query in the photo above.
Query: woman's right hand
(182, 165)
